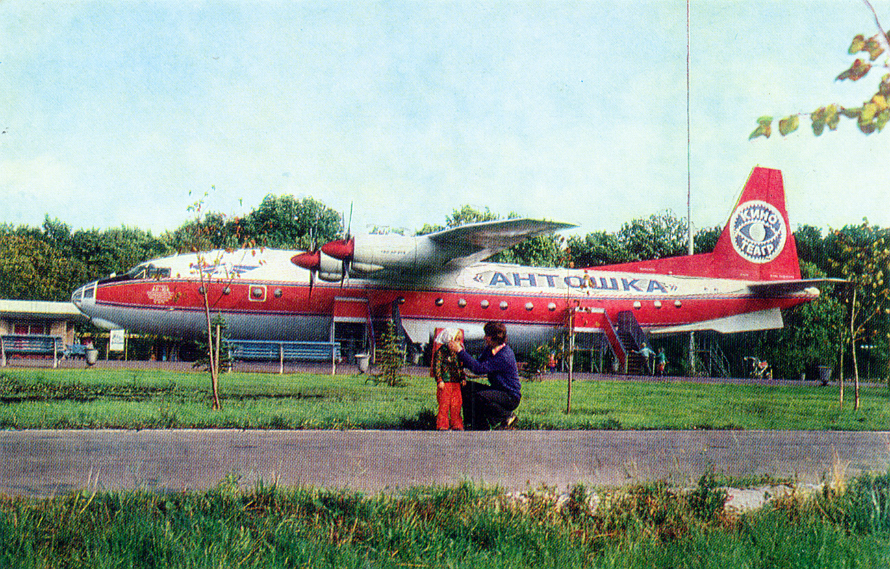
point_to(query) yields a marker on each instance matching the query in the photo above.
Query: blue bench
(30, 345)
(75, 351)
(263, 350)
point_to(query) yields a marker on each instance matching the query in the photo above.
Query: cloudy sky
(125, 112)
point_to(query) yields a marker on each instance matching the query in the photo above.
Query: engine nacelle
(330, 277)
(370, 253)
(329, 268)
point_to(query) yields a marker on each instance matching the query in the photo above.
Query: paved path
(43, 463)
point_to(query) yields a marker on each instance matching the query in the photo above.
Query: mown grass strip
(159, 399)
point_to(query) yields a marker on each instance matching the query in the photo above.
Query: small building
(39, 317)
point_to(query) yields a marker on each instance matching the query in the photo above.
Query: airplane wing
(781, 288)
(474, 242)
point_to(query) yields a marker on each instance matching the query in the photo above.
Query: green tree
(811, 247)
(468, 214)
(213, 230)
(871, 116)
(391, 356)
(597, 248)
(811, 335)
(705, 239)
(194, 237)
(57, 233)
(31, 269)
(540, 251)
(866, 265)
(281, 222)
(658, 236)
(286, 223)
(115, 250)
(463, 216)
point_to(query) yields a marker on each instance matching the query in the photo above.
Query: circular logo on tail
(758, 231)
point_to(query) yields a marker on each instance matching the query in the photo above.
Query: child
(660, 362)
(449, 376)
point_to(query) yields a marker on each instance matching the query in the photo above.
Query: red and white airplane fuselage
(438, 281)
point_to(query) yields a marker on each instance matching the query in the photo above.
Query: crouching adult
(493, 405)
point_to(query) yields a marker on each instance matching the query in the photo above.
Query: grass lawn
(463, 526)
(95, 398)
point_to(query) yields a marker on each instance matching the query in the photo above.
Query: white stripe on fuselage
(274, 265)
(574, 282)
(265, 266)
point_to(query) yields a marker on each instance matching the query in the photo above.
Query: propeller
(342, 250)
(309, 260)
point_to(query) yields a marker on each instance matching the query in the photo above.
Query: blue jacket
(500, 368)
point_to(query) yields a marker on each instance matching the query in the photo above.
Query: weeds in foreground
(461, 526)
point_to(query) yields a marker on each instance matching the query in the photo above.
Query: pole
(691, 247)
(571, 360)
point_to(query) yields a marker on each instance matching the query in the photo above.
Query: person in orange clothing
(449, 376)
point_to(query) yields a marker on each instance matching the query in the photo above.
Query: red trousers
(450, 402)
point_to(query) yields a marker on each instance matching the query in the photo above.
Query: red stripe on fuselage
(425, 304)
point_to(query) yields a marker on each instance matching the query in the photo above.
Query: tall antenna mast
(691, 248)
(688, 144)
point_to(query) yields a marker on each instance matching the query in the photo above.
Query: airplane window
(157, 272)
(90, 292)
(144, 271)
(136, 272)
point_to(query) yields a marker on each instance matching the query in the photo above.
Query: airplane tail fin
(756, 243)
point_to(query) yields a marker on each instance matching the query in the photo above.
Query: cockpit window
(143, 271)
(147, 271)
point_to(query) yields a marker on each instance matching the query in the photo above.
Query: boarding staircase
(632, 338)
(712, 362)
(624, 338)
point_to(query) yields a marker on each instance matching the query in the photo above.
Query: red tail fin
(756, 243)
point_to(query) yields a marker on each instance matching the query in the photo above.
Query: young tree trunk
(855, 362)
(215, 379)
(213, 354)
(571, 363)
(840, 374)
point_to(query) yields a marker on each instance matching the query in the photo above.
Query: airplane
(429, 282)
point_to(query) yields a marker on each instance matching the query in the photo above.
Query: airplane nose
(77, 297)
(84, 294)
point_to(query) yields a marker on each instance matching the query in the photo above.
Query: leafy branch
(874, 113)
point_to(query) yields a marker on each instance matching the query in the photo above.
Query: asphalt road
(44, 463)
